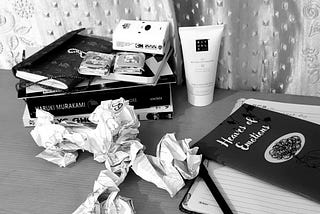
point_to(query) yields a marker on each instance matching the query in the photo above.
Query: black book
(271, 146)
(153, 113)
(56, 65)
(85, 103)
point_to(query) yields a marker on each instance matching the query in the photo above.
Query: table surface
(32, 185)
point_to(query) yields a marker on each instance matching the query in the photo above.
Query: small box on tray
(145, 36)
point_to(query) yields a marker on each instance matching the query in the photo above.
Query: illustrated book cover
(274, 147)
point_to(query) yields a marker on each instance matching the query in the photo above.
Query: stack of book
(150, 102)
(150, 94)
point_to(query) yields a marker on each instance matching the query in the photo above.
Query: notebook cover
(274, 147)
(61, 59)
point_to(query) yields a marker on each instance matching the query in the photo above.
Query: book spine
(153, 113)
(84, 103)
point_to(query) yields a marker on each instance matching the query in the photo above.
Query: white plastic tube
(200, 48)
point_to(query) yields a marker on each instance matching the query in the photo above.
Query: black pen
(214, 190)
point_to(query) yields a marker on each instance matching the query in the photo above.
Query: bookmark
(213, 189)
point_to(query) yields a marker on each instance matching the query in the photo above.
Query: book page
(306, 112)
(247, 194)
(199, 198)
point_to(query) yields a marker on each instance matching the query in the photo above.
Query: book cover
(56, 65)
(75, 103)
(271, 146)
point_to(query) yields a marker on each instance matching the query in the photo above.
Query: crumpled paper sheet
(174, 162)
(115, 121)
(104, 198)
(113, 141)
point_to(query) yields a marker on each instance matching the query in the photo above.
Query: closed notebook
(57, 64)
(274, 147)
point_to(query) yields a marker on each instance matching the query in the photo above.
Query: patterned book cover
(271, 146)
(56, 65)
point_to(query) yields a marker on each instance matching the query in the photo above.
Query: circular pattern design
(7, 21)
(311, 10)
(284, 148)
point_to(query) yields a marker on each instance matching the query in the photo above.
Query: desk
(32, 185)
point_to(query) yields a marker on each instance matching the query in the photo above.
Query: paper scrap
(175, 161)
(104, 198)
(114, 120)
(180, 155)
(112, 139)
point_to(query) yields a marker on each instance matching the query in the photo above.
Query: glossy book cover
(271, 146)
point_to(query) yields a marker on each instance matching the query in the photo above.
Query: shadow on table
(147, 198)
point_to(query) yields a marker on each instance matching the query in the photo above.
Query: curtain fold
(269, 46)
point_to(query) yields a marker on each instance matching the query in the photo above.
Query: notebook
(244, 194)
(274, 147)
(248, 194)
